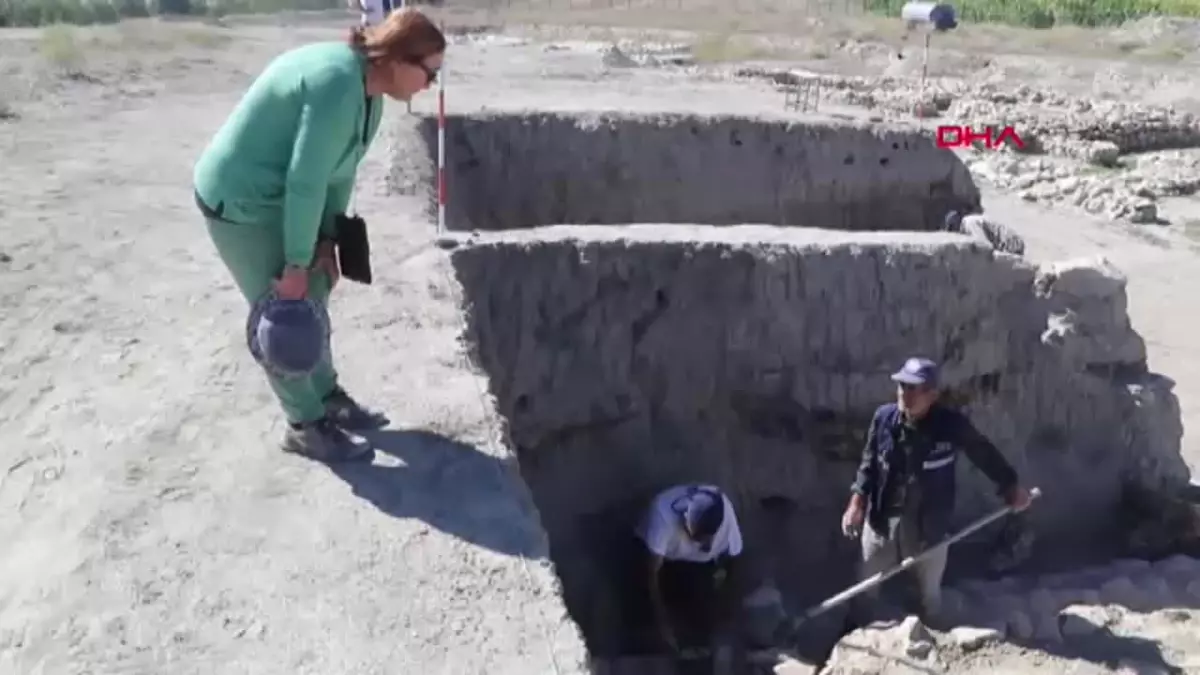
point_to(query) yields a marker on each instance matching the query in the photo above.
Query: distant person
(684, 571)
(375, 11)
(905, 488)
(274, 184)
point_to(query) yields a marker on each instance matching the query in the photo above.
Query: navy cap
(288, 337)
(917, 371)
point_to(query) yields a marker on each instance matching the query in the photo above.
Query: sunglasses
(430, 73)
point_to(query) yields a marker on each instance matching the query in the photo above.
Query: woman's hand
(326, 261)
(292, 284)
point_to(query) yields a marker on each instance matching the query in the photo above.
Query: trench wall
(518, 170)
(626, 359)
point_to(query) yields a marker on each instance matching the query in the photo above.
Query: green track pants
(254, 256)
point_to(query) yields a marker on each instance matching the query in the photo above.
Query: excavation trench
(625, 358)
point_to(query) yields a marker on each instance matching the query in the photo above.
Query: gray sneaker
(348, 414)
(324, 441)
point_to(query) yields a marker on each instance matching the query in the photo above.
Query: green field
(1047, 13)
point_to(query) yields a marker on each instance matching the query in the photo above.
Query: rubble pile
(1129, 191)
(1087, 609)
(1111, 159)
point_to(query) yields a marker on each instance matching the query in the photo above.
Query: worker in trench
(904, 493)
(682, 567)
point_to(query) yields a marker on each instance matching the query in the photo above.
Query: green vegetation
(83, 12)
(60, 48)
(1047, 13)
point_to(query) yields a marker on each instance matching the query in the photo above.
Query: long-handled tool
(877, 579)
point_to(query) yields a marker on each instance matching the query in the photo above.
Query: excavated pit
(631, 357)
(509, 171)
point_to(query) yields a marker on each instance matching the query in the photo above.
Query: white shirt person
(692, 536)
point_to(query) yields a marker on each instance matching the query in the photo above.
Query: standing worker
(274, 184)
(375, 11)
(905, 488)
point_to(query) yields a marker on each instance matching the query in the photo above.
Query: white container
(935, 15)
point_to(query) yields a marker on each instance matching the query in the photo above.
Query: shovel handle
(876, 579)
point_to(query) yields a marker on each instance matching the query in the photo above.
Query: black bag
(353, 248)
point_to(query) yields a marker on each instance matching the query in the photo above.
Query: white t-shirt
(663, 531)
(375, 11)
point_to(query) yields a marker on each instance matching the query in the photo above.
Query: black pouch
(354, 249)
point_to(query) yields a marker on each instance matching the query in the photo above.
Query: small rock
(764, 612)
(613, 57)
(789, 666)
(1144, 211)
(1103, 153)
(5, 258)
(918, 641)
(970, 638)
(1079, 620)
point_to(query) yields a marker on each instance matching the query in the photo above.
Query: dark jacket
(933, 445)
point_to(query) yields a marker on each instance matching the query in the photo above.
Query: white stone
(917, 641)
(1079, 620)
(789, 666)
(970, 638)
(1103, 153)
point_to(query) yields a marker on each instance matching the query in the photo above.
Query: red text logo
(965, 137)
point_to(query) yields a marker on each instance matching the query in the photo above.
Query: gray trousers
(881, 553)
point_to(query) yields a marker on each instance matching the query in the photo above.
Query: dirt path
(149, 523)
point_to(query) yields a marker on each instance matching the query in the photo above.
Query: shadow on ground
(451, 486)
(1105, 648)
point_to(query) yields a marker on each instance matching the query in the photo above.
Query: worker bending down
(682, 566)
(905, 488)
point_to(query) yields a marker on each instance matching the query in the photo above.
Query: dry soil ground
(149, 525)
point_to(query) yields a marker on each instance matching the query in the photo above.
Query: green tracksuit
(278, 171)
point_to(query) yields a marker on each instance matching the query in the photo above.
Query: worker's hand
(667, 633)
(326, 261)
(1018, 498)
(292, 284)
(852, 519)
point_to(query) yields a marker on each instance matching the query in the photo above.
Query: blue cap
(917, 371)
(705, 512)
(288, 338)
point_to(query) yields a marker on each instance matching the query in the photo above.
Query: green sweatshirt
(288, 153)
